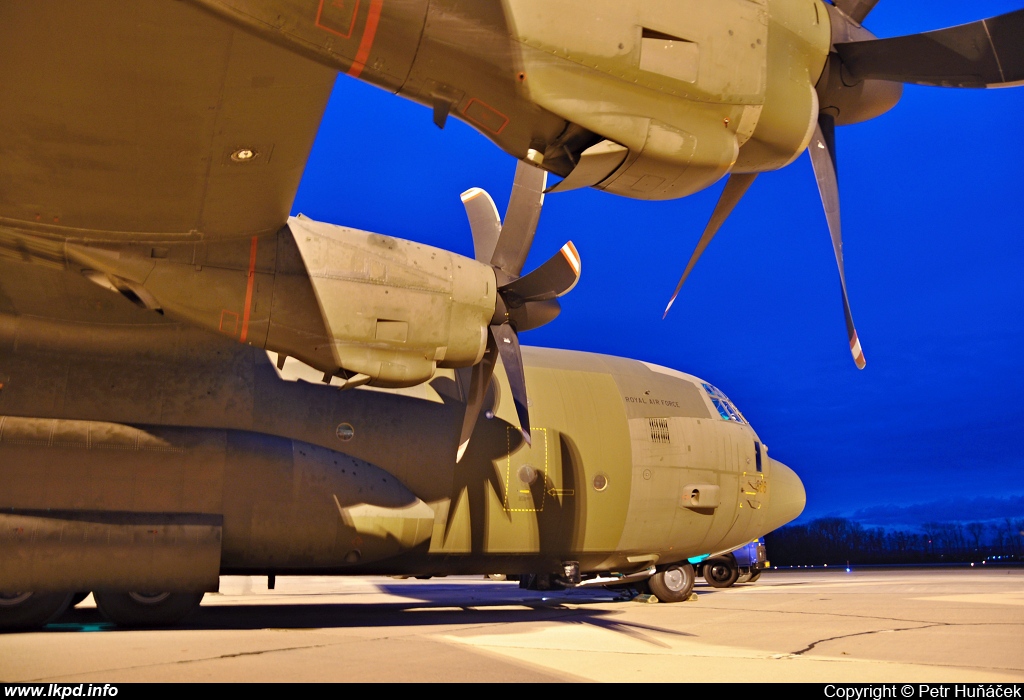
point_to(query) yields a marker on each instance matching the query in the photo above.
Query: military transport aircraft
(193, 383)
(650, 99)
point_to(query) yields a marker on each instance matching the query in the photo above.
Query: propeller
(823, 159)
(856, 10)
(987, 53)
(863, 79)
(523, 302)
(735, 187)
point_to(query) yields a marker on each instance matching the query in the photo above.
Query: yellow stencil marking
(542, 473)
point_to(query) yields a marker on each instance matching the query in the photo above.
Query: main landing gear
(134, 609)
(22, 611)
(673, 584)
(25, 611)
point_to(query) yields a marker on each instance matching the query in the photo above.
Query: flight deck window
(726, 409)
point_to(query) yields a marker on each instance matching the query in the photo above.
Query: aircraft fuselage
(191, 455)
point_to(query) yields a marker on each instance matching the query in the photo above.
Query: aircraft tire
(674, 584)
(133, 609)
(23, 611)
(720, 572)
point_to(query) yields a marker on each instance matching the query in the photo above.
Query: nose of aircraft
(787, 496)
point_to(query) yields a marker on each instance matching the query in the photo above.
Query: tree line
(841, 540)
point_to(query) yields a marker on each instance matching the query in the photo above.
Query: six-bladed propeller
(523, 302)
(862, 80)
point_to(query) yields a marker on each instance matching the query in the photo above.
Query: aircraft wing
(148, 119)
(39, 304)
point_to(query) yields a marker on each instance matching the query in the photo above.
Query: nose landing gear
(721, 572)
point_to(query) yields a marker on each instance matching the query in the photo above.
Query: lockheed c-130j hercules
(648, 99)
(194, 383)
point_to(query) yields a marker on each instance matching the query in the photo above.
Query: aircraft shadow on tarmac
(433, 605)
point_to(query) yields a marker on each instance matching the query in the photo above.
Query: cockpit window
(726, 409)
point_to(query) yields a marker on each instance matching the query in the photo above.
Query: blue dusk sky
(932, 193)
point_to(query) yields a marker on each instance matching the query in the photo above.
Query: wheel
(497, 577)
(20, 611)
(754, 576)
(77, 598)
(146, 609)
(674, 584)
(720, 572)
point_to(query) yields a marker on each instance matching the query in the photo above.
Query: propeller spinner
(862, 79)
(523, 302)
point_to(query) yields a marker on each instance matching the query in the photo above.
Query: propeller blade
(823, 158)
(478, 383)
(554, 278)
(856, 10)
(520, 219)
(735, 188)
(534, 314)
(987, 53)
(512, 358)
(484, 222)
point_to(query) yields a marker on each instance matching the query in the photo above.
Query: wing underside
(148, 119)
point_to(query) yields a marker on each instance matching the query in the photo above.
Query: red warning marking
(248, 291)
(369, 33)
(339, 14)
(228, 322)
(485, 116)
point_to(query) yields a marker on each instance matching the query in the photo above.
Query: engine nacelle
(674, 163)
(689, 91)
(373, 308)
(395, 310)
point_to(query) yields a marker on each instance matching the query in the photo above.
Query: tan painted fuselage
(130, 429)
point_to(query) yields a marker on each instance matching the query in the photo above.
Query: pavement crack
(861, 634)
(254, 653)
(815, 613)
(192, 661)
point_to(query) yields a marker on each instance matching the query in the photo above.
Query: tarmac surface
(951, 625)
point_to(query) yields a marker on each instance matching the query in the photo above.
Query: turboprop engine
(363, 308)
